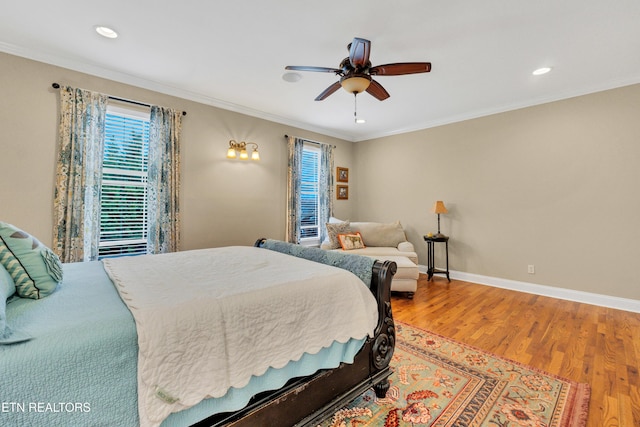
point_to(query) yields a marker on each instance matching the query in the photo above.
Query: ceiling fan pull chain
(355, 107)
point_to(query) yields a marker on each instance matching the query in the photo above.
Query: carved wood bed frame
(309, 400)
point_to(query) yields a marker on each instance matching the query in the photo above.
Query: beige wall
(556, 186)
(224, 202)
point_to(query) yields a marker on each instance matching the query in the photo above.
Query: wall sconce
(241, 148)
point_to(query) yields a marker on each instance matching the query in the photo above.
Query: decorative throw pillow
(35, 269)
(7, 289)
(351, 241)
(333, 229)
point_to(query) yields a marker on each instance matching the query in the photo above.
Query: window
(123, 198)
(310, 195)
(309, 191)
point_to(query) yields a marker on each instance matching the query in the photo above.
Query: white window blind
(309, 195)
(123, 215)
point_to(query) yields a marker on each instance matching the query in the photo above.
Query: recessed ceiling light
(291, 77)
(541, 71)
(106, 32)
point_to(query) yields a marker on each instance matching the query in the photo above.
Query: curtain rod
(115, 98)
(311, 141)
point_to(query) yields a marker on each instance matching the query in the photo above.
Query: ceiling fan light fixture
(356, 73)
(356, 84)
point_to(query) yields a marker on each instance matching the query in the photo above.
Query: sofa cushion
(406, 247)
(383, 252)
(380, 234)
(407, 273)
(407, 269)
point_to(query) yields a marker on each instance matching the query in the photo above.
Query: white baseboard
(618, 303)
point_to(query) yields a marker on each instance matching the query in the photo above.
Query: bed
(93, 340)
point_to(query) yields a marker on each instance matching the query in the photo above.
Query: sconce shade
(231, 153)
(439, 208)
(243, 154)
(355, 84)
(255, 155)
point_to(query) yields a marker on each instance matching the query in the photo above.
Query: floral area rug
(440, 382)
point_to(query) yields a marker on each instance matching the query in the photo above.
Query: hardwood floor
(582, 342)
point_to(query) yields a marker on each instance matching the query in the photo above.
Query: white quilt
(209, 319)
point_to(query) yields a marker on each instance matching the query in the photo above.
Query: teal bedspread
(80, 367)
(82, 356)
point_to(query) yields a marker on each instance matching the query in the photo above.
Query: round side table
(431, 268)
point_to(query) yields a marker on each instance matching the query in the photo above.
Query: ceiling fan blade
(377, 91)
(316, 69)
(400, 68)
(328, 91)
(359, 50)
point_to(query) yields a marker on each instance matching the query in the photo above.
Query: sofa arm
(406, 247)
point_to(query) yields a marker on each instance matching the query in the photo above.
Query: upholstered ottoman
(406, 277)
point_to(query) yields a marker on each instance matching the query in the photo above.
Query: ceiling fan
(356, 71)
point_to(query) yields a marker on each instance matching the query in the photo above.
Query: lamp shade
(439, 208)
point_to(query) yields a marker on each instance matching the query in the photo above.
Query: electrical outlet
(531, 269)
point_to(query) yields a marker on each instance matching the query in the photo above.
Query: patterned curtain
(292, 232)
(326, 189)
(164, 180)
(78, 176)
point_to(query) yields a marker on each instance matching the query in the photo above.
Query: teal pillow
(35, 269)
(7, 290)
(7, 287)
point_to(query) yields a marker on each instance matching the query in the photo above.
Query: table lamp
(439, 208)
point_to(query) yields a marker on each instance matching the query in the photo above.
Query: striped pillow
(35, 269)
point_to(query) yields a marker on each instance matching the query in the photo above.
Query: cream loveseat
(383, 241)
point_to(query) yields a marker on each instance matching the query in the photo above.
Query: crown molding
(98, 71)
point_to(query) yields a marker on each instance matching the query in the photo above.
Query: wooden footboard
(309, 400)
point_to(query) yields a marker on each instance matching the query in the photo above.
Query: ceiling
(232, 54)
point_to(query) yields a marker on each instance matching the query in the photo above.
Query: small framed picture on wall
(342, 174)
(342, 192)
